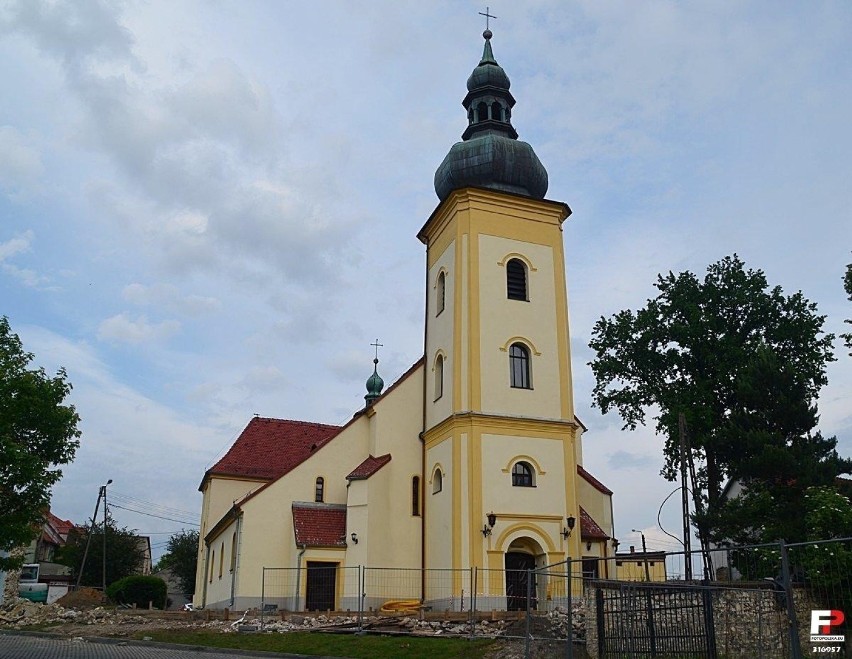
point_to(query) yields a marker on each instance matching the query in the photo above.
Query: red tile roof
(319, 524)
(369, 467)
(589, 529)
(269, 448)
(594, 482)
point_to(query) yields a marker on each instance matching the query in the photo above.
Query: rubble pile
(24, 613)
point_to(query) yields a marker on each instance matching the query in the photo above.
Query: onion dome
(490, 154)
(375, 384)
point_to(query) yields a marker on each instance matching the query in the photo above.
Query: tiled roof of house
(589, 528)
(269, 448)
(369, 467)
(319, 524)
(62, 526)
(594, 482)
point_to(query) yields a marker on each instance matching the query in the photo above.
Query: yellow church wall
(597, 504)
(439, 508)
(218, 569)
(500, 453)
(504, 321)
(268, 538)
(218, 497)
(439, 338)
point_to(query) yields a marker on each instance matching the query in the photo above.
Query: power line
(141, 503)
(141, 512)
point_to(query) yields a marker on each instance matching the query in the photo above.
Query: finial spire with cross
(488, 16)
(377, 345)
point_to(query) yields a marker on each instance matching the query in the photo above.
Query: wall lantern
(492, 520)
(566, 532)
(354, 537)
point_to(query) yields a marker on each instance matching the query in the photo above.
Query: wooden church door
(321, 586)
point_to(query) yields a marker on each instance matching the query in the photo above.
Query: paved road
(13, 646)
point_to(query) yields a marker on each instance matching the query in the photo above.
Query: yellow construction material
(408, 607)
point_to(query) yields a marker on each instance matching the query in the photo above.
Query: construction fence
(761, 601)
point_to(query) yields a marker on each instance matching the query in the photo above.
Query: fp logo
(823, 621)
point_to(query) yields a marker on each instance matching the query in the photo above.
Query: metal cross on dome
(377, 346)
(487, 16)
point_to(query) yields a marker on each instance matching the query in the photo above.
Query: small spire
(487, 54)
(375, 384)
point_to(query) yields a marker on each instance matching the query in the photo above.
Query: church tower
(501, 443)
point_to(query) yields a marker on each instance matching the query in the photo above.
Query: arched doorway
(520, 559)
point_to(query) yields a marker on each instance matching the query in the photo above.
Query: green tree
(686, 352)
(125, 553)
(38, 432)
(181, 558)
(772, 449)
(847, 285)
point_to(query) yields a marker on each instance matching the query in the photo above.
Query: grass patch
(339, 645)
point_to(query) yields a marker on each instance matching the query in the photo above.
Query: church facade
(472, 458)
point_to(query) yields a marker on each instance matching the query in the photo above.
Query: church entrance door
(517, 564)
(321, 586)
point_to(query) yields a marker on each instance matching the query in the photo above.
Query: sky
(208, 210)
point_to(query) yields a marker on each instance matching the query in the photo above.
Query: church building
(472, 458)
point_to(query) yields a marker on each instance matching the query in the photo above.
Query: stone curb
(166, 646)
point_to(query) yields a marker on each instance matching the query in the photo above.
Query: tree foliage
(139, 590)
(124, 551)
(38, 432)
(847, 285)
(771, 448)
(181, 558)
(699, 348)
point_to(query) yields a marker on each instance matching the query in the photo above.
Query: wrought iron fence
(743, 602)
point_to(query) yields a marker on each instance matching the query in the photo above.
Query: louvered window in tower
(516, 280)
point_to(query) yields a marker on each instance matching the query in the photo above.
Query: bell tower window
(439, 376)
(516, 280)
(519, 366)
(441, 293)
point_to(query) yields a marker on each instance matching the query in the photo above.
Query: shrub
(138, 590)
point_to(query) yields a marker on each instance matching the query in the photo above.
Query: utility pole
(103, 570)
(645, 552)
(101, 493)
(684, 498)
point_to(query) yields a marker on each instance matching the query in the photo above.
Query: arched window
(221, 558)
(516, 280)
(439, 376)
(212, 565)
(415, 496)
(482, 111)
(496, 111)
(441, 292)
(470, 116)
(437, 482)
(234, 551)
(319, 490)
(519, 366)
(523, 475)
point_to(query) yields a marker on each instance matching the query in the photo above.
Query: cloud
(123, 329)
(16, 245)
(169, 297)
(628, 460)
(21, 165)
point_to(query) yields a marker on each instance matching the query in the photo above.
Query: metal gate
(651, 620)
